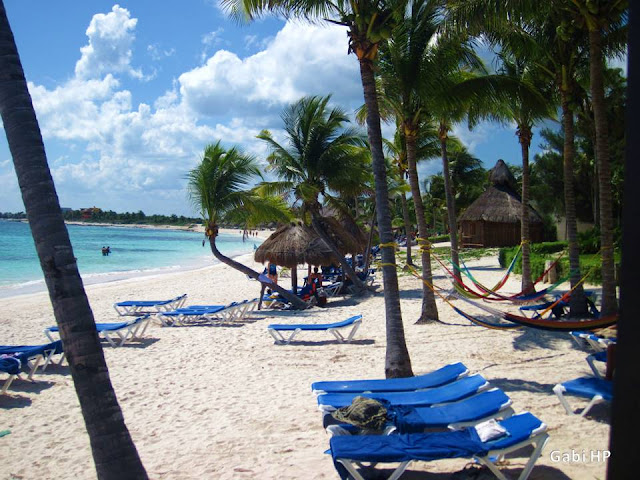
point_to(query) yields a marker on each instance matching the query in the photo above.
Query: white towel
(490, 430)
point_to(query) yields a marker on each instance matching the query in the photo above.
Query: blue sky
(129, 94)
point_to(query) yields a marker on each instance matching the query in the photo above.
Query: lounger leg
(559, 391)
(540, 441)
(33, 365)
(349, 465)
(7, 384)
(49, 336)
(591, 361)
(594, 401)
(107, 337)
(279, 338)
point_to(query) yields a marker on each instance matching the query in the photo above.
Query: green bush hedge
(439, 238)
(541, 252)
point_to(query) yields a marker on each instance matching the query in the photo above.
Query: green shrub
(439, 238)
(548, 247)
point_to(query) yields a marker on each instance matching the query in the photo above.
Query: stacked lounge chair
(207, 314)
(352, 324)
(125, 331)
(596, 389)
(463, 408)
(141, 307)
(15, 359)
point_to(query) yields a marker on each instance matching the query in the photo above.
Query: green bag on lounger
(365, 413)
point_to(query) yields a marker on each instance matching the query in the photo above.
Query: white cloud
(276, 76)
(109, 150)
(109, 50)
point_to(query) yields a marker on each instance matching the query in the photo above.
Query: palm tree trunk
(596, 64)
(407, 227)
(114, 452)
(367, 254)
(397, 361)
(577, 304)
(429, 309)
(451, 204)
(291, 298)
(346, 268)
(625, 421)
(524, 135)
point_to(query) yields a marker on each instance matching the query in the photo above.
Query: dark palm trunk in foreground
(397, 361)
(114, 453)
(625, 422)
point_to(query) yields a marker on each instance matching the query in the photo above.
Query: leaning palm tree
(368, 23)
(218, 187)
(114, 452)
(320, 156)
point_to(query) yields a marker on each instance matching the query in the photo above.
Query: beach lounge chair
(597, 357)
(486, 405)
(333, 289)
(30, 358)
(10, 365)
(126, 331)
(451, 392)
(597, 390)
(276, 330)
(441, 376)
(141, 307)
(187, 316)
(520, 431)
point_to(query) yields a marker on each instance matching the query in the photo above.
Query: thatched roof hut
(294, 244)
(493, 220)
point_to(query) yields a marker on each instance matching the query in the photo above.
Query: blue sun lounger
(520, 431)
(140, 307)
(441, 376)
(30, 357)
(126, 331)
(451, 392)
(10, 365)
(353, 323)
(470, 411)
(597, 390)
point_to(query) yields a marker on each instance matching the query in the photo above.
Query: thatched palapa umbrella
(294, 244)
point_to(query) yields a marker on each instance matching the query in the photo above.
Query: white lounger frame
(281, 339)
(228, 314)
(129, 310)
(559, 390)
(40, 360)
(130, 331)
(538, 438)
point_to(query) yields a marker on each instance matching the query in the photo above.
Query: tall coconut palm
(600, 17)
(114, 453)
(368, 23)
(407, 152)
(219, 189)
(526, 111)
(321, 155)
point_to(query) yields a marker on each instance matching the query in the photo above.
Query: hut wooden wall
(493, 234)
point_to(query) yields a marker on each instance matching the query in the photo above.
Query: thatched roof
(350, 225)
(500, 203)
(294, 244)
(344, 240)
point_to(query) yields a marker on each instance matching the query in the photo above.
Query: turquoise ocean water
(134, 252)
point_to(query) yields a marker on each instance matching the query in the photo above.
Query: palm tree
(321, 156)
(369, 23)
(218, 188)
(114, 452)
(526, 111)
(600, 17)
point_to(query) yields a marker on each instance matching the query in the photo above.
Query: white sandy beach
(224, 402)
